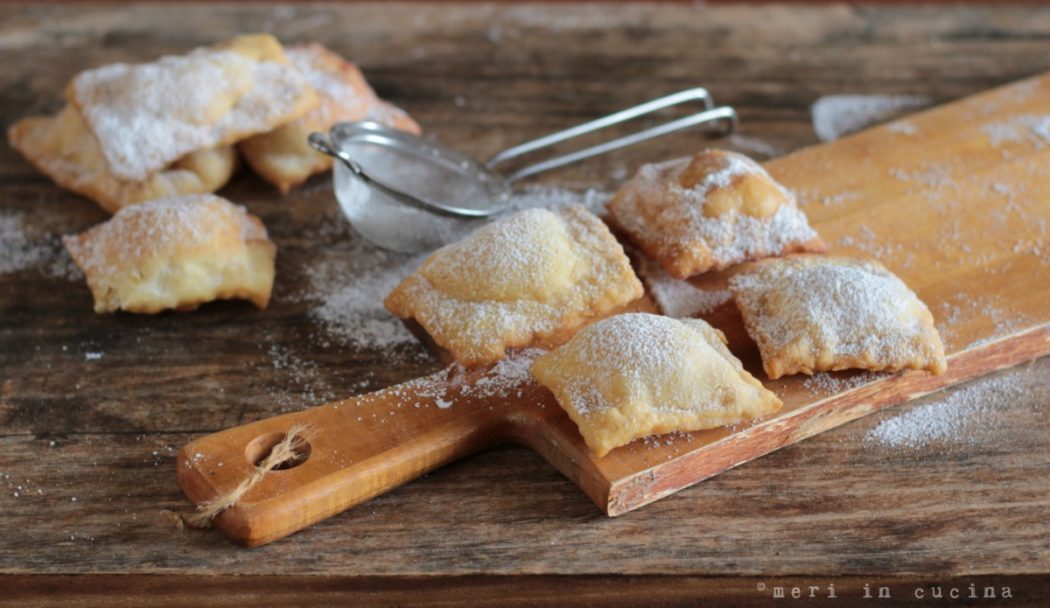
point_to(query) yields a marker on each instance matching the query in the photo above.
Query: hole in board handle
(261, 446)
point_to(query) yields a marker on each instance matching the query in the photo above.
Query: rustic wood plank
(833, 504)
(166, 591)
(838, 503)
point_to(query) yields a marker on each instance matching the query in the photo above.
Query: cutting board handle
(357, 448)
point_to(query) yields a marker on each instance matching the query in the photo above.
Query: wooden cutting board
(955, 200)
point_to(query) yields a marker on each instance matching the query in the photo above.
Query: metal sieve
(409, 194)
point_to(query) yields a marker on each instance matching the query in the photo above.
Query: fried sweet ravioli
(709, 212)
(175, 253)
(517, 280)
(637, 374)
(812, 313)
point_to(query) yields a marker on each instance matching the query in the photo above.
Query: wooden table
(93, 408)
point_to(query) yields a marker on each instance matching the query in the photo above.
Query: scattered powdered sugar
(902, 127)
(25, 248)
(346, 287)
(505, 379)
(21, 251)
(679, 298)
(832, 383)
(809, 197)
(837, 115)
(970, 415)
(1032, 129)
(934, 177)
(878, 246)
(304, 380)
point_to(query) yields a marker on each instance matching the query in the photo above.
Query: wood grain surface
(98, 499)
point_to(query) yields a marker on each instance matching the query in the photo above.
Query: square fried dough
(811, 313)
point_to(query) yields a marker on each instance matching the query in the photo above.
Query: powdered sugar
(28, 249)
(838, 309)
(143, 231)
(347, 284)
(659, 213)
(837, 115)
(312, 62)
(902, 127)
(679, 298)
(832, 383)
(653, 370)
(505, 379)
(971, 415)
(445, 388)
(1033, 129)
(346, 287)
(518, 279)
(147, 116)
(733, 166)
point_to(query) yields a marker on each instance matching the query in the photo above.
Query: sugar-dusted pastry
(282, 156)
(62, 148)
(175, 253)
(812, 313)
(150, 115)
(709, 212)
(515, 281)
(637, 374)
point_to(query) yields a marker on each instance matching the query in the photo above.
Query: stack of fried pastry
(133, 133)
(162, 135)
(559, 281)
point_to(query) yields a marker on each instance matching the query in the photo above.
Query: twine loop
(287, 450)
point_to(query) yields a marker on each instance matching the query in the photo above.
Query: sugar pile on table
(971, 415)
(27, 249)
(837, 115)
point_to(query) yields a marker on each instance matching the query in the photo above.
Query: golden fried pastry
(636, 374)
(147, 116)
(813, 313)
(515, 281)
(62, 148)
(175, 253)
(709, 212)
(283, 157)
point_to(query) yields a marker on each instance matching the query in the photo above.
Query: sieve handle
(724, 115)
